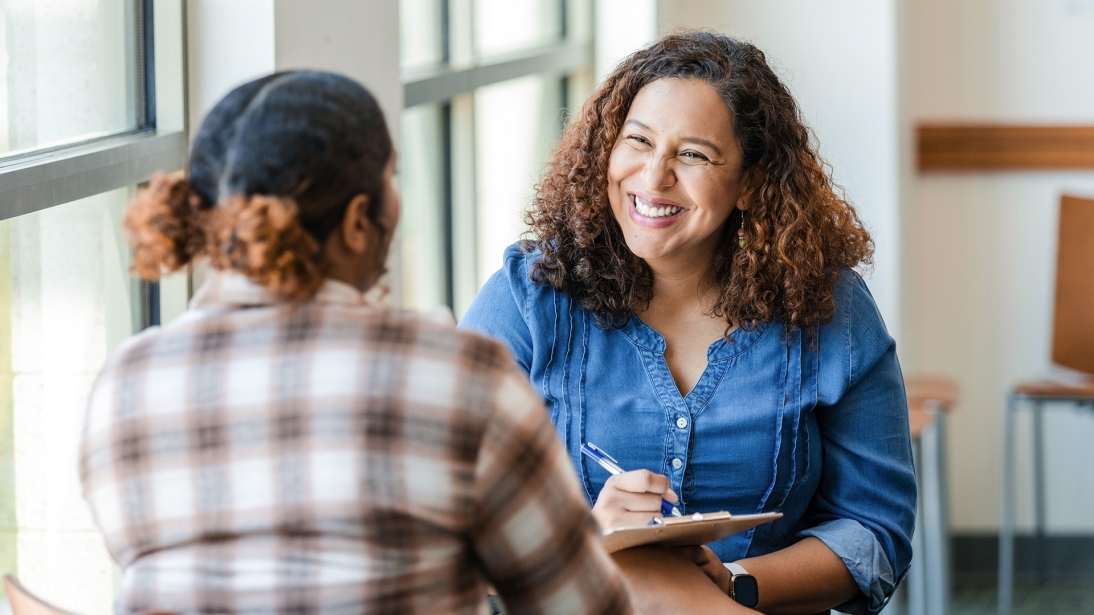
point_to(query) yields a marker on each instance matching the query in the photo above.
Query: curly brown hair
(800, 233)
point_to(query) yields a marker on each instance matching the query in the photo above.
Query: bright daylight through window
(70, 70)
(77, 131)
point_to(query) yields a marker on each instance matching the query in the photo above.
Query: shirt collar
(227, 289)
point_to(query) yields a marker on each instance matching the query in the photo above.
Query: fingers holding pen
(643, 481)
(632, 498)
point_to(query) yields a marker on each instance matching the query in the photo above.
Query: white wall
(355, 38)
(980, 247)
(839, 58)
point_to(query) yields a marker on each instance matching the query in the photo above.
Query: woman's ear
(357, 230)
(748, 190)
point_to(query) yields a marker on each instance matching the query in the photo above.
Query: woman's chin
(649, 251)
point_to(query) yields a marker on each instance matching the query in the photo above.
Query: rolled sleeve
(865, 559)
(864, 508)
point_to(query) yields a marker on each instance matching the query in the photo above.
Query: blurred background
(97, 94)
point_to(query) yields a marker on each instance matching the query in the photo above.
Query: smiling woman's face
(674, 176)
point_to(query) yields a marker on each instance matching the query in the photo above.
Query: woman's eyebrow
(704, 142)
(697, 140)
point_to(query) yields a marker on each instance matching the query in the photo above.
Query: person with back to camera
(688, 303)
(284, 447)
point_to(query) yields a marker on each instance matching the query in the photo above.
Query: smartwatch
(742, 586)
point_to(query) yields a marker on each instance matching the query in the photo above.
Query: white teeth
(646, 210)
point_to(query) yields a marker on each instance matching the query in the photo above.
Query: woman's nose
(658, 173)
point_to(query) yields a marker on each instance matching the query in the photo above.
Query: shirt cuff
(865, 559)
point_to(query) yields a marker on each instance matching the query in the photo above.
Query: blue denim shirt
(819, 434)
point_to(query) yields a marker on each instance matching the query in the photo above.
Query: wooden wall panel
(956, 147)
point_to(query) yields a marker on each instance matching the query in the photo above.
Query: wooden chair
(1072, 347)
(25, 603)
(930, 399)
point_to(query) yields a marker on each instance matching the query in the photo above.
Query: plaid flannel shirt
(256, 457)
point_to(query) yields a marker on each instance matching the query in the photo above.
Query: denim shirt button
(681, 422)
(676, 463)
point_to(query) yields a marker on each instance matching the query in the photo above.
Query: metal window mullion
(563, 19)
(148, 63)
(447, 82)
(80, 172)
(448, 219)
(564, 103)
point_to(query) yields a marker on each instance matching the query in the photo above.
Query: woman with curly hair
(689, 303)
(286, 447)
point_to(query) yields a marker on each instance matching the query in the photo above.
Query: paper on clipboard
(684, 531)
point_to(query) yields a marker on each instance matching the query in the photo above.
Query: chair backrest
(25, 603)
(1073, 324)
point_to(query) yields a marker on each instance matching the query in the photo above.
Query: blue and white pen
(606, 461)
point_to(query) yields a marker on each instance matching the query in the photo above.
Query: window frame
(451, 85)
(43, 178)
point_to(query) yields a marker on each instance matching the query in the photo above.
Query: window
(91, 104)
(516, 122)
(66, 300)
(69, 71)
(504, 25)
(487, 84)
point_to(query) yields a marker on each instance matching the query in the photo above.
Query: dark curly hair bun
(164, 226)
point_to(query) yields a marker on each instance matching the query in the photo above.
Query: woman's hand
(709, 563)
(632, 498)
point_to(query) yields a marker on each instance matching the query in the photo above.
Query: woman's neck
(681, 287)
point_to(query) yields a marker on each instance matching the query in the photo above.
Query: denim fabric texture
(818, 432)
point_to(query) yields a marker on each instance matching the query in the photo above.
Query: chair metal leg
(916, 581)
(1039, 488)
(935, 531)
(1006, 529)
(944, 513)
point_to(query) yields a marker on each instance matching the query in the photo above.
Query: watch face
(745, 590)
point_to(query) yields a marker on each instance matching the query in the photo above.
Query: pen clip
(605, 460)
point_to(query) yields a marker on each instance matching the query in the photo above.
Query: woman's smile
(653, 213)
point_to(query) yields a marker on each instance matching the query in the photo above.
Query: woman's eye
(694, 157)
(638, 139)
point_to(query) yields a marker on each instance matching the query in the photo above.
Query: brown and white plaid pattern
(254, 457)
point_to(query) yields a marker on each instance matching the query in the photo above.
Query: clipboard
(689, 530)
